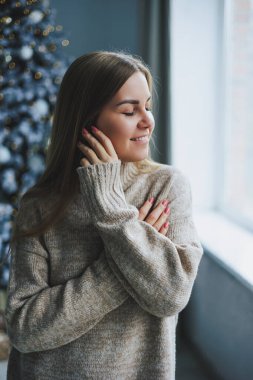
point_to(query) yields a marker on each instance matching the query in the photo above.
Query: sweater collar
(128, 172)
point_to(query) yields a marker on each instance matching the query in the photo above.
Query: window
(237, 197)
(212, 122)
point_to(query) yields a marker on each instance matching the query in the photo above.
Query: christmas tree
(32, 64)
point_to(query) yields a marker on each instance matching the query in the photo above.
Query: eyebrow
(130, 101)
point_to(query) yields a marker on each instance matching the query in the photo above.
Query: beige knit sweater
(98, 295)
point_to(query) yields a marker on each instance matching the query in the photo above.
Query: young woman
(98, 276)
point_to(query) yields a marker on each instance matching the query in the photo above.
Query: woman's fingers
(106, 142)
(162, 219)
(95, 150)
(158, 217)
(164, 228)
(143, 211)
(84, 162)
(155, 214)
(100, 144)
(89, 153)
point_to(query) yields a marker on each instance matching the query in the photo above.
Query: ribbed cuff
(101, 187)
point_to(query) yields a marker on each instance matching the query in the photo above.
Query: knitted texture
(98, 295)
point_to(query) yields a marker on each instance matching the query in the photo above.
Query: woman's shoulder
(171, 181)
(32, 205)
(27, 209)
(31, 200)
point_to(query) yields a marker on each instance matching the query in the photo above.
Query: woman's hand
(157, 217)
(100, 148)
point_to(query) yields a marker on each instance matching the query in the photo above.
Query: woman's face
(127, 116)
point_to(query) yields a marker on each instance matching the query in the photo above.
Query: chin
(134, 157)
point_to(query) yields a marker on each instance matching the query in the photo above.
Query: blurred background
(201, 55)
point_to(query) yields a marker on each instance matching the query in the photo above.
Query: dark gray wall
(99, 25)
(218, 319)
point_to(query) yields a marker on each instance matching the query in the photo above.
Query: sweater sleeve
(157, 271)
(41, 317)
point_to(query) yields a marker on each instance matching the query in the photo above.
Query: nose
(147, 121)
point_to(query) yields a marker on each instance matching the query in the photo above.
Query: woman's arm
(158, 271)
(42, 317)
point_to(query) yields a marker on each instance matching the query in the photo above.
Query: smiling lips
(140, 138)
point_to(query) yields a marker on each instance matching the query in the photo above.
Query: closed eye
(132, 113)
(128, 113)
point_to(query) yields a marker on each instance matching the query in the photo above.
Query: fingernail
(165, 202)
(94, 129)
(84, 131)
(151, 200)
(167, 210)
(166, 224)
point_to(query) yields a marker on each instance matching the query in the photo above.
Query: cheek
(115, 127)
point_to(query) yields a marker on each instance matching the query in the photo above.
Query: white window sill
(230, 245)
